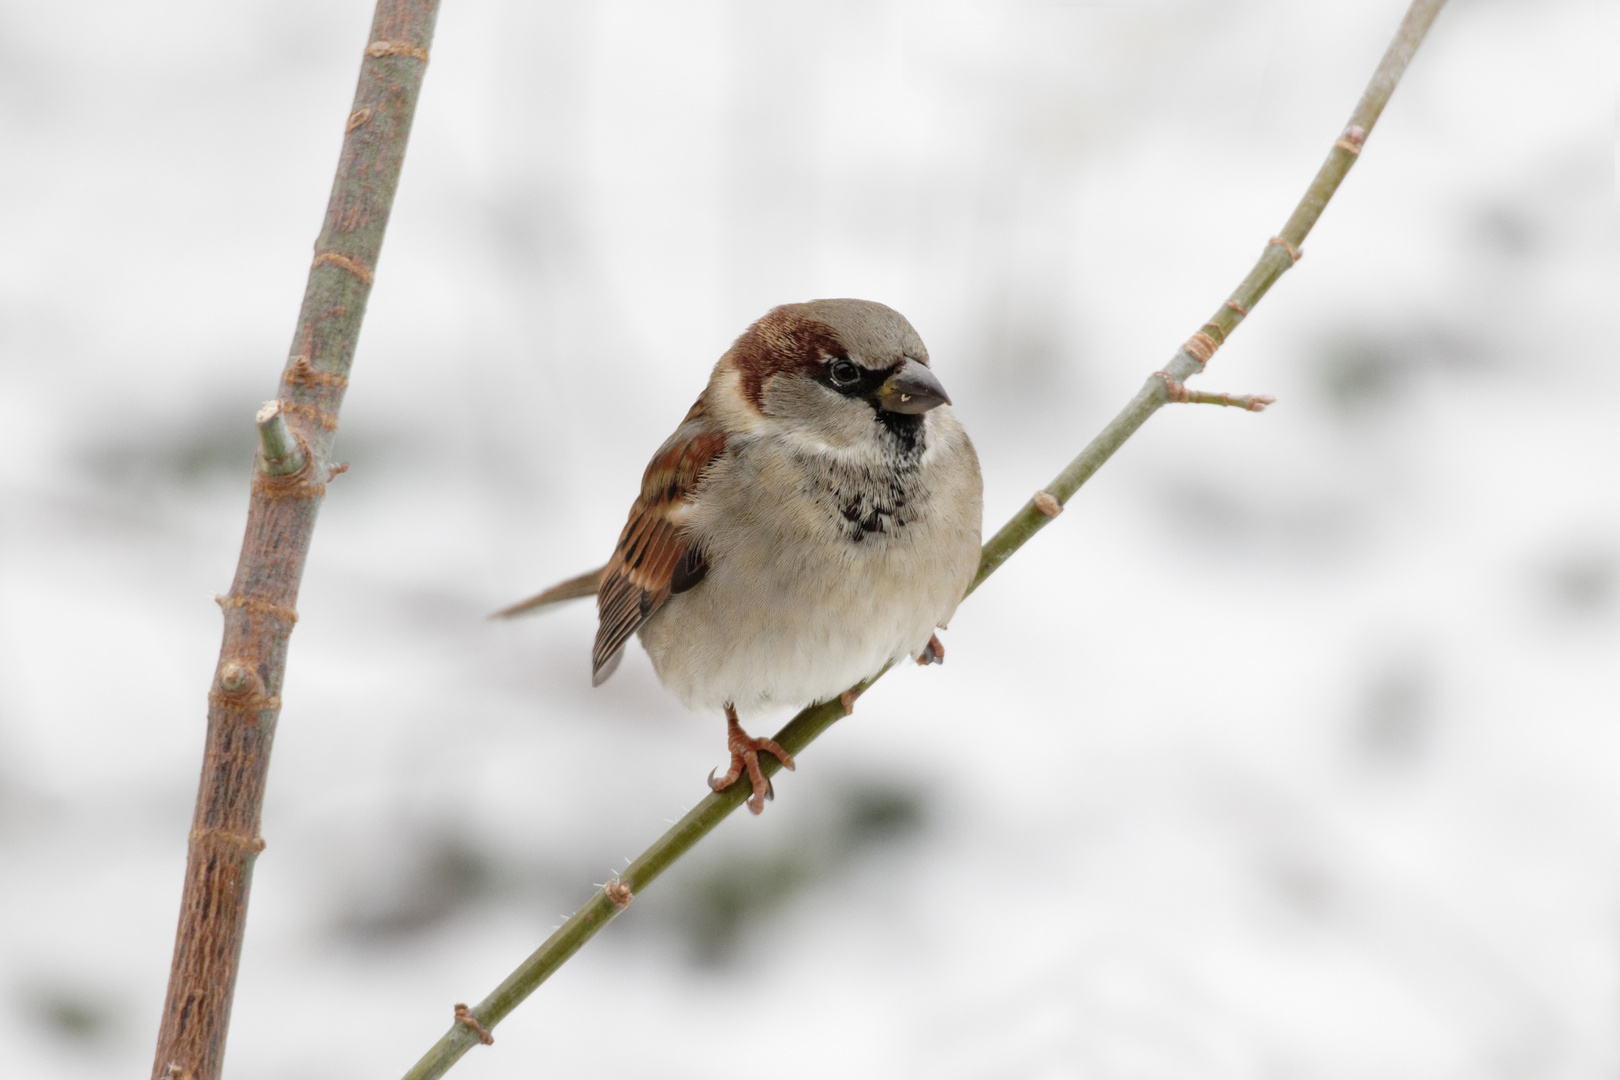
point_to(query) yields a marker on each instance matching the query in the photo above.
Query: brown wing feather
(641, 575)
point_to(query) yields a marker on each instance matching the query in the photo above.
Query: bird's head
(845, 374)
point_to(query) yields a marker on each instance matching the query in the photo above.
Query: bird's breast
(820, 572)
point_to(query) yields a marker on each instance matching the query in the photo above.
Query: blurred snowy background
(1290, 751)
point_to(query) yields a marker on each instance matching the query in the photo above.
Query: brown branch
(288, 484)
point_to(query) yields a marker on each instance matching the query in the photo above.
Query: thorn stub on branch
(1047, 504)
(847, 700)
(358, 117)
(618, 892)
(281, 452)
(1180, 394)
(338, 470)
(1294, 253)
(464, 1016)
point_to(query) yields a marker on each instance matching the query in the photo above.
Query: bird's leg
(933, 652)
(745, 756)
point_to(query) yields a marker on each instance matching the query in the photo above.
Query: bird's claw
(745, 750)
(933, 652)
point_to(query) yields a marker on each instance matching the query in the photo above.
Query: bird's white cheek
(727, 404)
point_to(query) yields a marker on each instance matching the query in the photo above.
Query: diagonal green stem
(808, 725)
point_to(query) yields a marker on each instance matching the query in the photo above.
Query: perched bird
(814, 518)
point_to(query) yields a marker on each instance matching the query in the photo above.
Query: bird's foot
(745, 750)
(933, 652)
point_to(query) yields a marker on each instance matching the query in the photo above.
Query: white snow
(1290, 750)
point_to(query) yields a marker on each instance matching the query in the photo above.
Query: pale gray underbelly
(778, 624)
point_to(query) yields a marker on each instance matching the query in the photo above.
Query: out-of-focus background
(1291, 750)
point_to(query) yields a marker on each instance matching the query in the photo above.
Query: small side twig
(1181, 395)
(280, 451)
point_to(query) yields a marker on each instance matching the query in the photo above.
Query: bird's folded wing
(655, 558)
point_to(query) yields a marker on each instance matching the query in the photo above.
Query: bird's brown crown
(796, 339)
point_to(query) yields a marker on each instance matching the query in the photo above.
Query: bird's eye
(844, 373)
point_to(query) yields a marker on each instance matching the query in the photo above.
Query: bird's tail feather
(575, 588)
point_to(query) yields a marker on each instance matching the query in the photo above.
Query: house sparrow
(812, 520)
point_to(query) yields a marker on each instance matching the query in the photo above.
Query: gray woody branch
(295, 436)
(471, 1026)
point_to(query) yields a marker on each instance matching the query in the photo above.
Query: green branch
(1280, 254)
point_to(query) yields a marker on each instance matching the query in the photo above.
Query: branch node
(1201, 347)
(281, 453)
(359, 116)
(251, 844)
(342, 261)
(258, 607)
(301, 371)
(237, 679)
(1294, 254)
(397, 48)
(1216, 327)
(299, 484)
(1047, 503)
(1178, 392)
(249, 705)
(1351, 140)
(618, 892)
(464, 1016)
(313, 413)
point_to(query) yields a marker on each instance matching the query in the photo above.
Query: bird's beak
(912, 389)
